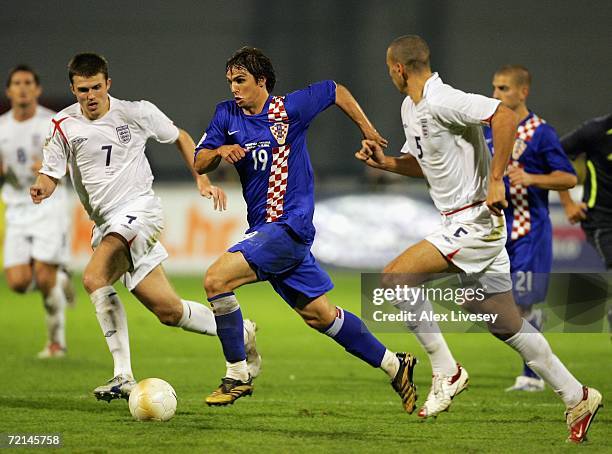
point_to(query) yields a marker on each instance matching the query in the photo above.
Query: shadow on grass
(55, 404)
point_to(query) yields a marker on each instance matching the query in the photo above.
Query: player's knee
(19, 285)
(214, 284)
(319, 319)
(45, 279)
(92, 282)
(388, 278)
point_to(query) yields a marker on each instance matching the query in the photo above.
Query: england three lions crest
(124, 134)
(279, 131)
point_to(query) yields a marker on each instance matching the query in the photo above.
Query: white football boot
(52, 350)
(443, 389)
(580, 417)
(118, 387)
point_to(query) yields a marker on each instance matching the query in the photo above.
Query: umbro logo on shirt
(78, 141)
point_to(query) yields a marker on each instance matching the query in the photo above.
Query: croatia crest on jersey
(279, 118)
(124, 134)
(279, 131)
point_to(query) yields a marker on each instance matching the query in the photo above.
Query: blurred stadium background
(174, 54)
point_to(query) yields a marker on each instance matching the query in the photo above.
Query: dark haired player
(264, 137)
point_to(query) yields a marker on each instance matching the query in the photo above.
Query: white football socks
(430, 337)
(390, 364)
(113, 321)
(55, 308)
(197, 318)
(237, 370)
(536, 352)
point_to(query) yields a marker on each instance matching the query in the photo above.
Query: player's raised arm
(503, 126)
(350, 106)
(186, 146)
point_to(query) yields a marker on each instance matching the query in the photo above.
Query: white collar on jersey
(434, 79)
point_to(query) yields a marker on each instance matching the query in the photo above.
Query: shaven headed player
(36, 241)
(445, 144)
(102, 140)
(264, 137)
(537, 165)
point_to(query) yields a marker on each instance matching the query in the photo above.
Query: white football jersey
(106, 157)
(21, 144)
(443, 131)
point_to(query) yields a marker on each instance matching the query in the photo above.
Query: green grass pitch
(311, 396)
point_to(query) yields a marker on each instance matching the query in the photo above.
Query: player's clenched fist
(518, 177)
(371, 153)
(42, 188)
(231, 153)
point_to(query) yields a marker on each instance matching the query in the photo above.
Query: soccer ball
(152, 399)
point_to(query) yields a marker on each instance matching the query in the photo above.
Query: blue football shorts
(278, 256)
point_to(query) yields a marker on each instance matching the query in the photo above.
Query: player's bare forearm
(350, 106)
(372, 154)
(503, 126)
(575, 212)
(403, 165)
(186, 146)
(206, 161)
(555, 181)
(42, 188)
(565, 198)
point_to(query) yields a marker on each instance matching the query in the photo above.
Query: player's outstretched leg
(581, 403)
(110, 260)
(113, 322)
(528, 380)
(237, 381)
(351, 333)
(158, 295)
(230, 271)
(449, 378)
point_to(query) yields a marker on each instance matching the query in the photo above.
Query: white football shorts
(474, 240)
(140, 222)
(37, 232)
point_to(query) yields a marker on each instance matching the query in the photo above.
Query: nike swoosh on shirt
(231, 133)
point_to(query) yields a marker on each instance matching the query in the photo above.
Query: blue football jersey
(537, 150)
(276, 173)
